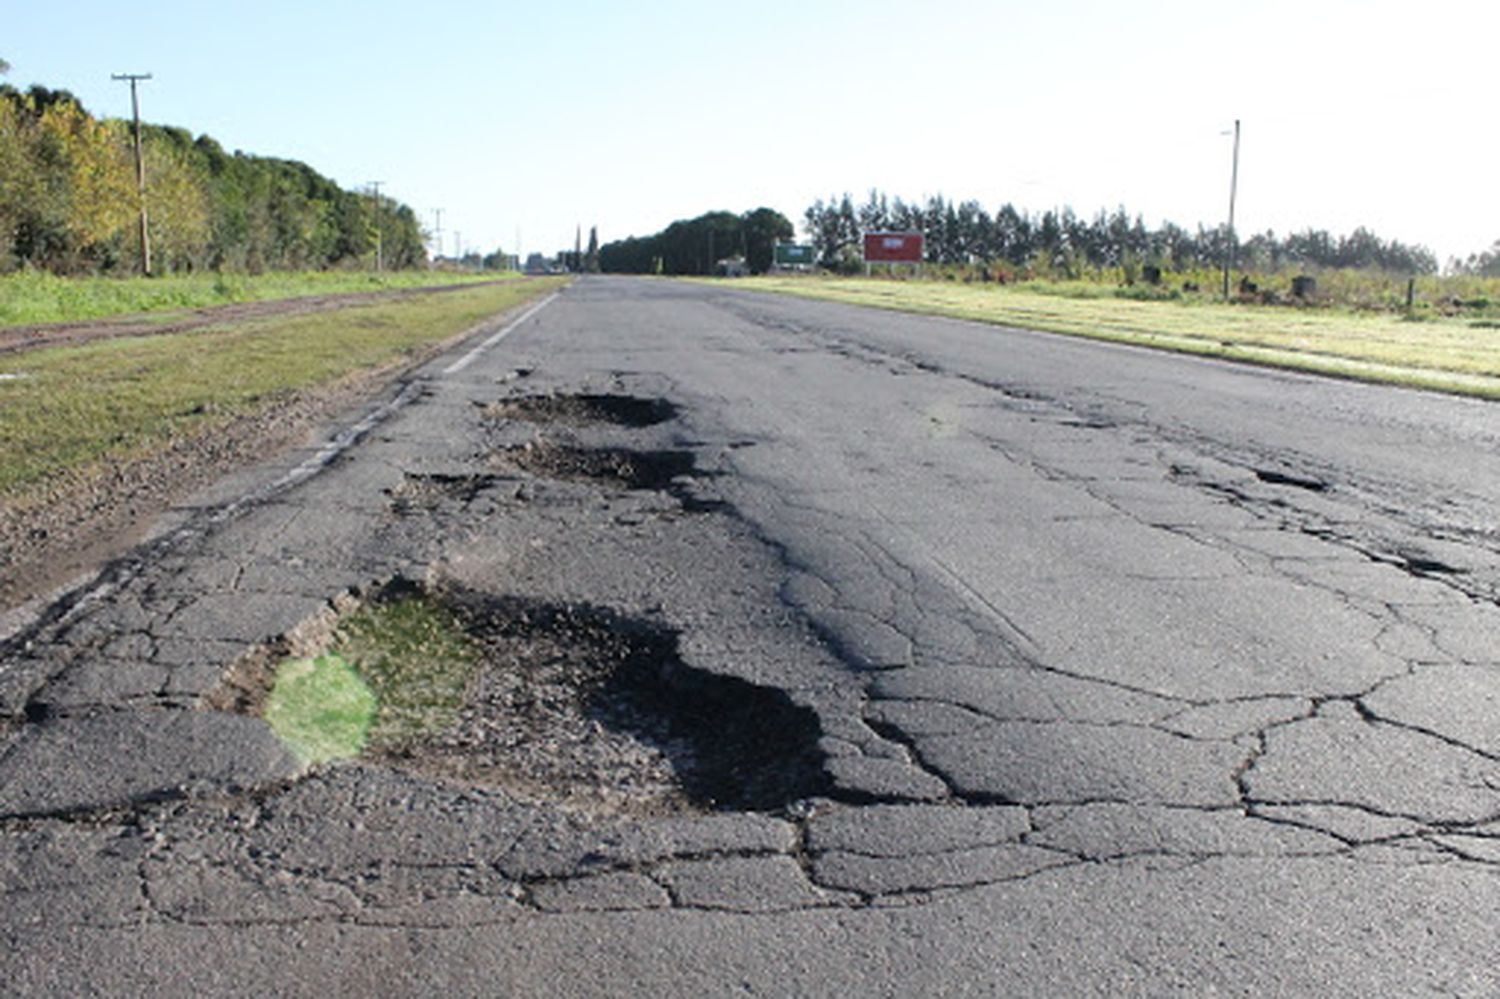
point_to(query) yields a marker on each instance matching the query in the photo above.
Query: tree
(591, 258)
(763, 229)
(832, 228)
(67, 199)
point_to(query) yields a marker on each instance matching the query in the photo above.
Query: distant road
(1054, 668)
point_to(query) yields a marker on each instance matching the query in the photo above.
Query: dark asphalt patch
(585, 408)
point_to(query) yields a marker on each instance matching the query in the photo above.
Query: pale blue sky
(537, 117)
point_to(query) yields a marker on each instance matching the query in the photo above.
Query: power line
(140, 164)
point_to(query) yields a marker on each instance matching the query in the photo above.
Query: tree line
(1064, 244)
(695, 246)
(1483, 264)
(68, 200)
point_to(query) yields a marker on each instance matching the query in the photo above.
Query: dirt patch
(584, 409)
(582, 706)
(18, 338)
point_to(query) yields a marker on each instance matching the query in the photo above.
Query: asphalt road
(866, 654)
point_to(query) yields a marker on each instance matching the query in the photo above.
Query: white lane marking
(473, 355)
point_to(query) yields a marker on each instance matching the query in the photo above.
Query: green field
(79, 410)
(1460, 355)
(38, 297)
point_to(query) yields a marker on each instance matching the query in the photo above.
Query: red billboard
(893, 247)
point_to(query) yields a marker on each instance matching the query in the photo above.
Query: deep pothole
(550, 702)
(674, 472)
(620, 467)
(584, 408)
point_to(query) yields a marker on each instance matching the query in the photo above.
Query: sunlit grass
(396, 672)
(39, 297)
(321, 708)
(81, 410)
(416, 657)
(1447, 355)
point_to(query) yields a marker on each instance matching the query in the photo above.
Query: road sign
(794, 254)
(893, 247)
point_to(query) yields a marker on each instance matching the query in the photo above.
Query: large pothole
(584, 408)
(670, 471)
(619, 467)
(564, 703)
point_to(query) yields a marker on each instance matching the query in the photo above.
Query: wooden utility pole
(140, 165)
(1234, 180)
(379, 241)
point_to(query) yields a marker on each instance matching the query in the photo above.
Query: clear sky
(534, 118)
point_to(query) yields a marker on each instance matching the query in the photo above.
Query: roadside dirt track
(18, 338)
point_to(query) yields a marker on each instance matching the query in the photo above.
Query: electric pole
(438, 233)
(1234, 180)
(140, 164)
(379, 242)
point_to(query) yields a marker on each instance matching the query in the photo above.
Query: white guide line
(473, 355)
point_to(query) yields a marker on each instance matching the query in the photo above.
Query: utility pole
(438, 233)
(1234, 181)
(140, 164)
(379, 241)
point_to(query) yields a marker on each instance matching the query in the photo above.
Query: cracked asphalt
(1061, 668)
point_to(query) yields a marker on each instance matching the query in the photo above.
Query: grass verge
(395, 673)
(1446, 356)
(82, 410)
(38, 297)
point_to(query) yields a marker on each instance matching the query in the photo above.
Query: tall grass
(28, 297)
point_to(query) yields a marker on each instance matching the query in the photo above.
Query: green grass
(1440, 353)
(416, 657)
(321, 709)
(396, 672)
(81, 410)
(38, 297)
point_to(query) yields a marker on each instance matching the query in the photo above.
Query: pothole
(565, 703)
(419, 492)
(584, 408)
(671, 472)
(1272, 477)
